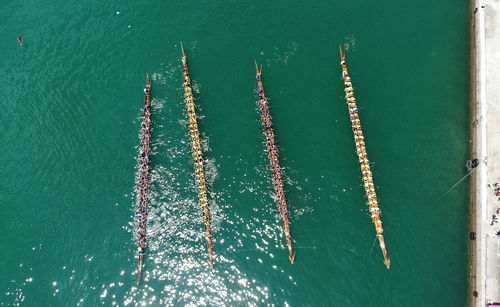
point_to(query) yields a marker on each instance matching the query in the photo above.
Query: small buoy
(117, 13)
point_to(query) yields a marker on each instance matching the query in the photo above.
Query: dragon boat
(197, 154)
(272, 152)
(363, 158)
(142, 212)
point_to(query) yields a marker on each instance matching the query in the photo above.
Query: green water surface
(71, 101)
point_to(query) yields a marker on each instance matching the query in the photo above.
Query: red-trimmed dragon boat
(272, 152)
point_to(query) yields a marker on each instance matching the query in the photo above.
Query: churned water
(71, 100)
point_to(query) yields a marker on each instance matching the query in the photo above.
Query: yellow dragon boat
(197, 154)
(363, 158)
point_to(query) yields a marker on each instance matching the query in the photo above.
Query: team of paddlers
(272, 152)
(142, 212)
(363, 157)
(197, 155)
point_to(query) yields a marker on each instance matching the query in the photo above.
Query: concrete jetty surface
(484, 249)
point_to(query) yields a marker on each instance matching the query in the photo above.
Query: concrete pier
(484, 249)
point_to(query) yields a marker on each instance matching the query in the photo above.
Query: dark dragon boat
(142, 212)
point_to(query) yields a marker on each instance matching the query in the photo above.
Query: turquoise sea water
(71, 101)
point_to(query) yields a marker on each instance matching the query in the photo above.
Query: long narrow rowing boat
(272, 152)
(363, 158)
(142, 212)
(197, 154)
